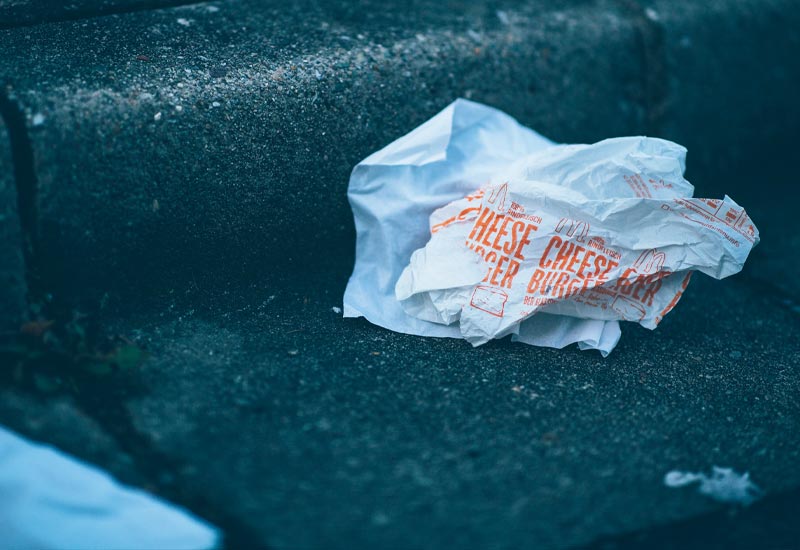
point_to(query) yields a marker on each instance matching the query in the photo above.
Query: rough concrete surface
(12, 266)
(213, 131)
(185, 182)
(212, 141)
(17, 13)
(60, 422)
(383, 439)
(715, 85)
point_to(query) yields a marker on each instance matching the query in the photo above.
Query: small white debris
(651, 14)
(724, 485)
(179, 108)
(318, 75)
(157, 116)
(184, 22)
(215, 104)
(503, 17)
(336, 310)
(38, 119)
(212, 9)
(677, 478)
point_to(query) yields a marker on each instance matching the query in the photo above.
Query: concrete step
(323, 432)
(18, 13)
(211, 144)
(181, 173)
(205, 145)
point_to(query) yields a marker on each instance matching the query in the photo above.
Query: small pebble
(157, 116)
(215, 104)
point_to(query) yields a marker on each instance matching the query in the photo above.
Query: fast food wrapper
(473, 226)
(606, 231)
(393, 193)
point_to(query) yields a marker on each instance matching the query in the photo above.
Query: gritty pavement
(280, 405)
(179, 175)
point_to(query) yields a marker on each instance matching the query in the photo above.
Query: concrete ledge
(727, 73)
(17, 13)
(365, 438)
(209, 144)
(220, 151)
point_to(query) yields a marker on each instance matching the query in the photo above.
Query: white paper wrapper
(457, 220)
(393, 194)
(49, 500)
(611, 235)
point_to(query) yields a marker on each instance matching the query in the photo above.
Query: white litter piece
(49, 500)
(393, 193)
(336, 310)
(723, 485)
(532, 246)
(485, 229)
